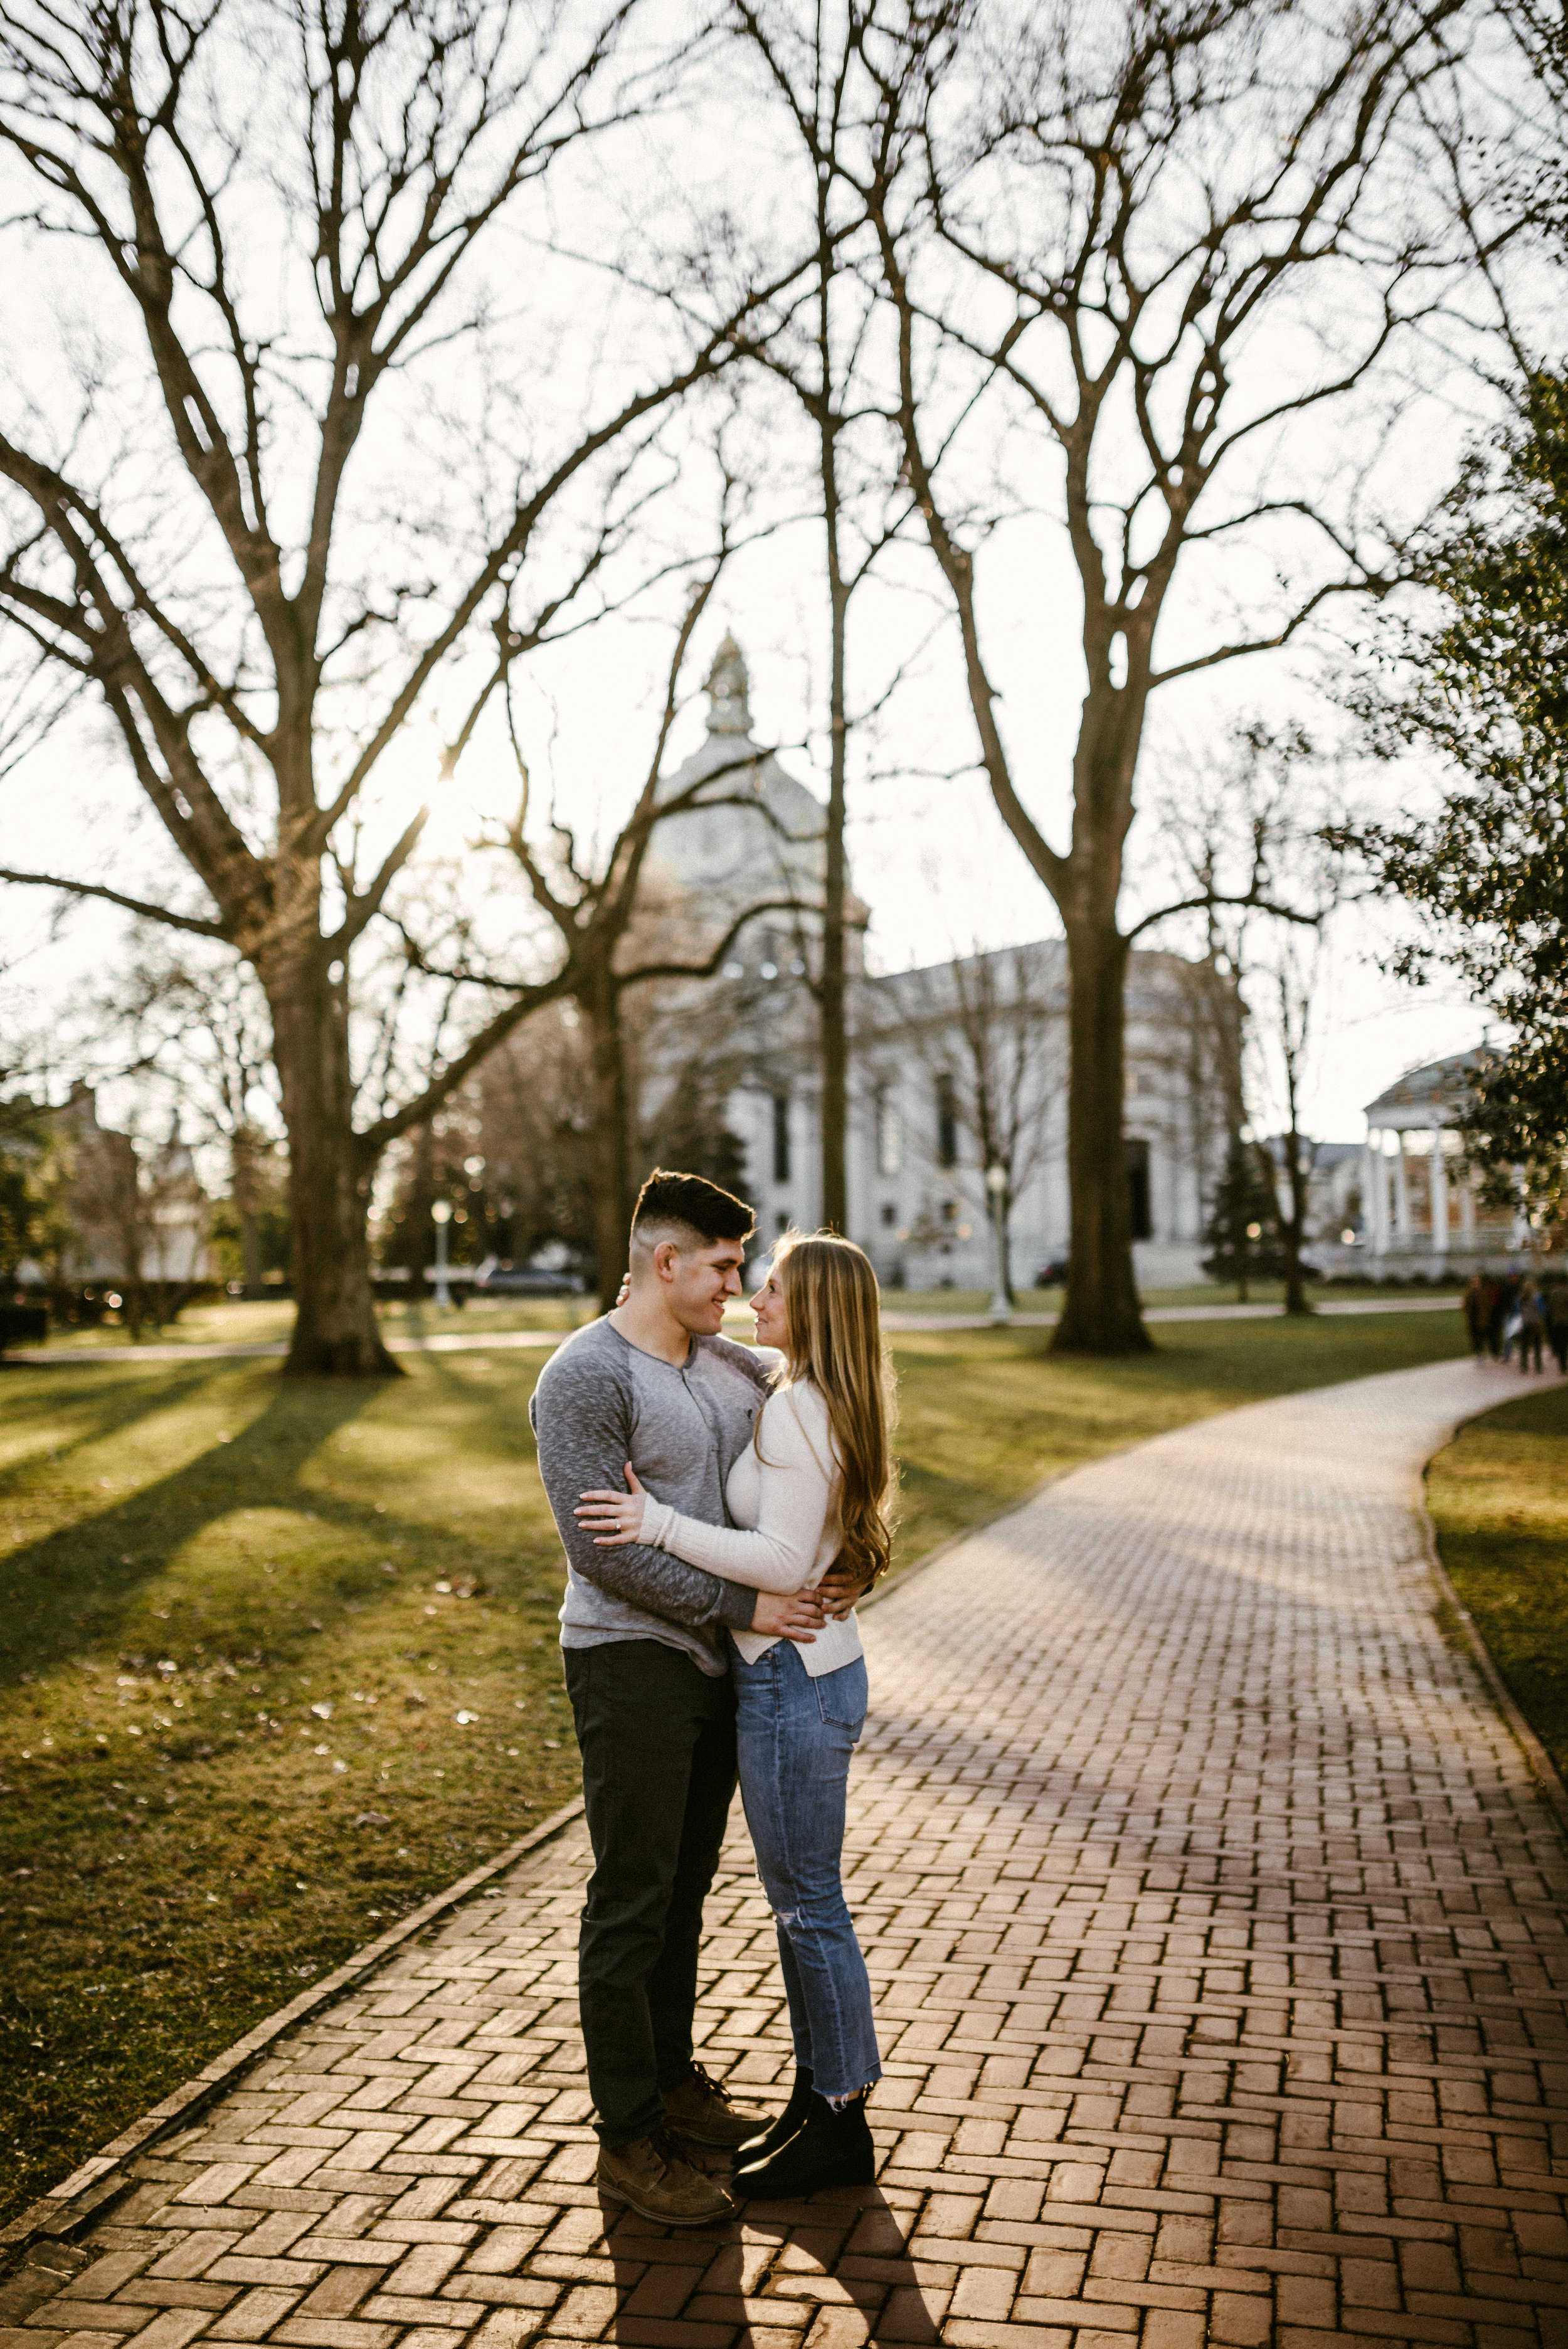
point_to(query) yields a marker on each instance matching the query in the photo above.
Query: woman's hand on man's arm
(613, 1517)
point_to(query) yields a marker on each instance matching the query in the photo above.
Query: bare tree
(1094, 216)
(1293, 986)
(989, 1029)
(208, 542)
(194, 1021)
(1251, 840)
(615, 938)
(822, 347)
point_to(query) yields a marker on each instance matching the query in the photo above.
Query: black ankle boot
(833, 2149)
(791, 2119)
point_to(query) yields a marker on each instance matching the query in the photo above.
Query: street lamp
(1001, 1303)
(442, 1216)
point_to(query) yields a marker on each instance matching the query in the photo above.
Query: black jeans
(658, 1739)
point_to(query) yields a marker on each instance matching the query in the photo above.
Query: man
(646, 1659)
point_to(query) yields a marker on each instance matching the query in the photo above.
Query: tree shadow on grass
(81, 1582)
(106, 1408)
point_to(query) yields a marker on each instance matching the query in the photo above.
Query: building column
(1401, 1190)
(1375, 1192)
(1467, 1210)
(1438, 1178)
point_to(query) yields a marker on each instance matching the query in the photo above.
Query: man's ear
(666, 1257)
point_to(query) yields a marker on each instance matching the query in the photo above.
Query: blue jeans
(794, 1736)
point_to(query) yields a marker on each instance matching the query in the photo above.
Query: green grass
(241, 1322)
(194, 1555)
(1499, 1495)
(260, 1322)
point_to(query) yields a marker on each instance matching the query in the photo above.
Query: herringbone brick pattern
(1217, 1932)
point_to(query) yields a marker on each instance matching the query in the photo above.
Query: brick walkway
(1217, 1932)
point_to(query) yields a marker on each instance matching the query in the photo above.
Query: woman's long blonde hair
(832, 1306)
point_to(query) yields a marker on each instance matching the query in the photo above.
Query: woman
(813, 1485)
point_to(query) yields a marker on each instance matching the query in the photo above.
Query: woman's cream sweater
(781, 1493)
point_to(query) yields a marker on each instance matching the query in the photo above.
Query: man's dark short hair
(704, 1209)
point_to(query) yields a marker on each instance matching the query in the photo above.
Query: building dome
(752, 829)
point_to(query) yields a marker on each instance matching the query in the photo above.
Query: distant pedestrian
(1478, 1302)
(1500, 1327)
(1531, 1324)
(1557, 1322)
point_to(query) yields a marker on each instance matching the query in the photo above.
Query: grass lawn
(242, 1323)
(1498, 1494)
(278, 1661)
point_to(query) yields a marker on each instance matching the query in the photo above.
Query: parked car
(499, 1276)
(1052, 1275)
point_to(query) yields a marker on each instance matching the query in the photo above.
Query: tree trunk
(1100, 1312)
(835, 1050)
(337, 1334)
(834, 1037)
(612, 1152)
(1295, 1296)
(242, 1185)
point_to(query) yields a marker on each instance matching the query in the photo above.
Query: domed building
(938, 1055)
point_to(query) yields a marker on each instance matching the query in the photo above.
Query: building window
(1136, 1157)
(947, 1123)
(781, 1137)
(890, 1133)
(890, 1214)
(782, 1223)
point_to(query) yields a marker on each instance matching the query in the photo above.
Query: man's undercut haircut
(689, 1210)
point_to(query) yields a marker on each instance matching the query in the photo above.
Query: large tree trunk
(835, 1037)
(835, 1050)
(336, 1334)
(1100, 1312)
(612, 1152)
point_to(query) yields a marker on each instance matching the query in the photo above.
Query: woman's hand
(614, 1517)
(794, 1615)
(623, 1292)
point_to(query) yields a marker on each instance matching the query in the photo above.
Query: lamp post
(996, 1184)
(441, 1216)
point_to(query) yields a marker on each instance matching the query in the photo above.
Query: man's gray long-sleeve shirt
(600, 1402)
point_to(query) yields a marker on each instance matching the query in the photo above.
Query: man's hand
(841, 1586)
(799, 1617)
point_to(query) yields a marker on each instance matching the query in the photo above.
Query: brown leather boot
(704, 2111)
(652, 2176)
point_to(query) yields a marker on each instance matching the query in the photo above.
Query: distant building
(917, 1200)
(130, 1220)
(1422, 1215)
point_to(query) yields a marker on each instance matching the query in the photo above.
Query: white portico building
(1422, 1215)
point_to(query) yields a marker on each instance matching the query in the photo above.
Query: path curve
(1217, 1931)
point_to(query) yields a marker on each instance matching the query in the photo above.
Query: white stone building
(1422, 1214)
(917, 1195)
